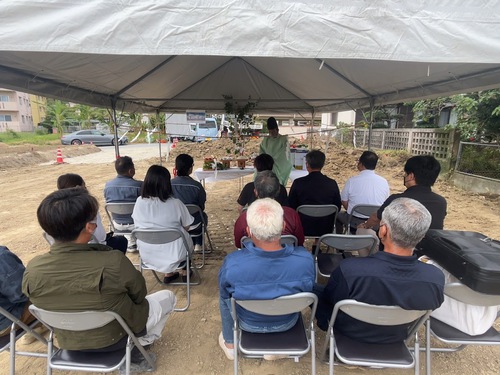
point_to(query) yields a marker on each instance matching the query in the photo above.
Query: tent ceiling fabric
(286, 55)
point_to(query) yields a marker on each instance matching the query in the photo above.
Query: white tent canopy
(300, 56)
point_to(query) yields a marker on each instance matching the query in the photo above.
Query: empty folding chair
(87, 361)
(327, 262)
(196, 210)
(17, 330)
(358, 353)
(165, 236)
(294, 343)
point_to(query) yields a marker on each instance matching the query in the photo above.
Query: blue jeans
(228, 323)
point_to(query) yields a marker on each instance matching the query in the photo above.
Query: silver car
(95, 137)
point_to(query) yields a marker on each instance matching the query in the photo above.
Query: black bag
(471, 257)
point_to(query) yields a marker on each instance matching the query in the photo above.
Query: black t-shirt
(434, 203)
(247, 195)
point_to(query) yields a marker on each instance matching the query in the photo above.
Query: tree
(57, 113)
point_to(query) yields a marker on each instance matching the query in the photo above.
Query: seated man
(123, 188)
(12, 298)
(315, 188)
(263, 162)
(189, 191)
(367, 187)
(267, 186)
(76, 276)
(262, 270)
(394, 277)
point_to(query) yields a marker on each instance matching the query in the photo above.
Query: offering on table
(241, 163)
(226, 162)
(208, 164)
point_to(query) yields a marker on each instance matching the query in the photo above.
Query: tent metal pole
(311, 132)
(115, 125)
(372, 106)
(159, 134)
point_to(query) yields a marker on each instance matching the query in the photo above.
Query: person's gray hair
(265, 219)
(407, 220)
(267, 184)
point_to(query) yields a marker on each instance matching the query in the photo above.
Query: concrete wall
(476, 184)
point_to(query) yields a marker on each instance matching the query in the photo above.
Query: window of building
(20, 101)
(22, 118)
(4, 98)
(5, 118)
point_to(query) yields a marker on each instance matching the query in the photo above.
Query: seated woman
(156, 208)
(70, 180)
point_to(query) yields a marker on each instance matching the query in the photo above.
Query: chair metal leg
(12, 349)
(313, 349)
(416, 353)
(235, 350)
(331, 353)
(428, 347)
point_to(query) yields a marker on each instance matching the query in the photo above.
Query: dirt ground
(189, 343)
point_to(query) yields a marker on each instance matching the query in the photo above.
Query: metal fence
(479, 159)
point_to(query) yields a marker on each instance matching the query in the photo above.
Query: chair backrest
(381, 315)
(286, 239)
(464, 294)
(75, 321)
(195, 209)
(363, 210)
(318, 210)
(347, 243)
(120, 208)
(279, 306)
(158, 236)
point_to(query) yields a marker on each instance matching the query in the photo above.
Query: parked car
(91, 136)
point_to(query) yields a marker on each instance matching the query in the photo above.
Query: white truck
(177, 126)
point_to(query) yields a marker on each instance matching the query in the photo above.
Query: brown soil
(189, 344)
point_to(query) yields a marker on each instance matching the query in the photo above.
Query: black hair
(123, 164)
(157, 183)
(425, 169)
(369, 160)
(267, 185)
(272, 123)
(315, 159)
(263, 162)
(69, 180)
(183, 164)
(64, 213)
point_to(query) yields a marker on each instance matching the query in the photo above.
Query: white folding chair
(452, 336)
(17, 330)
(118, 208)
(87, 361)
(327, 262)
(165, 236)
(360, 210)
(196, 210)
(294, 343)
(319, 211)
(357, 353)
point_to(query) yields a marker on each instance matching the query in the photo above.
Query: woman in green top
(277, 146)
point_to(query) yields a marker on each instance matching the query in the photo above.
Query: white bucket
(300, 158)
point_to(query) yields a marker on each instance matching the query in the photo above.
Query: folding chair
(286, 239)
(294, 343)
(196, 210)
(318, 211)
(353, 352)
(357, 211)
(8, 342)
(327, 262)
(165, 236)
(87, 361)
(118, 208)
(449, 335)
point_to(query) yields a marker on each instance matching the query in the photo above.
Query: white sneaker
(228, 352)
(197, 248)
(132, 249)
(274, 357)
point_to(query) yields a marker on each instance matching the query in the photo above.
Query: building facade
(15, 111)
(38, 108)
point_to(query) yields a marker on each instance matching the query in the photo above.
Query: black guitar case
(471, 257)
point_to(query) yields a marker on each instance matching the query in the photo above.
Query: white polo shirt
(365, 188)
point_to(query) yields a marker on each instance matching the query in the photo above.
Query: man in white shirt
(367, 187)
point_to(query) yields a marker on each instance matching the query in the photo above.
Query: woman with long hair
(157, 208)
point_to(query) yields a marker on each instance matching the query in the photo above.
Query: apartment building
(38, 108)
(15, 111)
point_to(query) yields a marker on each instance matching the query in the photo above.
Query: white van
(177, 126)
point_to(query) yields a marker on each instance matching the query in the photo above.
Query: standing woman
(157, 208)
(277, 146)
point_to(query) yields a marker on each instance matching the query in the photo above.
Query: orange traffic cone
(59, 159)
